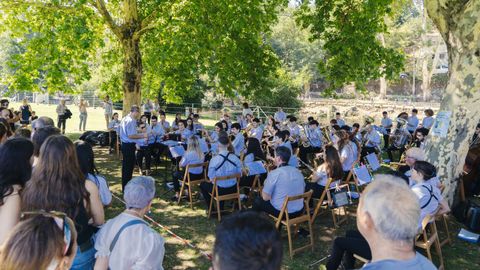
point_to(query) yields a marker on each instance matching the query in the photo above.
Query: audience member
(126, 241)
(15, 171)
(40, 136)
(247, 240)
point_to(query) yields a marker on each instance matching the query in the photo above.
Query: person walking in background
(61, 119)
(25, 112)
(82, 107)
(108, 107)
(147, 109)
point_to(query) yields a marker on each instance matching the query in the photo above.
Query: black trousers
(247, 181)
(177, 176)
(393, 148)
(144, 153)
(367, 150)
(352, 243)
(304, 151)
(148, 115)
(260, 205)
(62, 123)
(113, 139)
(317, 189)
(128, 162)
(206, 188)
(386, 138)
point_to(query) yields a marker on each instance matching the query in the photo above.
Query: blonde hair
(35, 243)
(416, 153)
(194, 146)
(393, 207)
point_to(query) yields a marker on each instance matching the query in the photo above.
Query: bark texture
(459, 24)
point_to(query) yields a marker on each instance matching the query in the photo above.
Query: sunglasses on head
(60, 220)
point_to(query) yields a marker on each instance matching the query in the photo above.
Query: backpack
(468, 213)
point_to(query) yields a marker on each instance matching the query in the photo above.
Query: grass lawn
(194, 226)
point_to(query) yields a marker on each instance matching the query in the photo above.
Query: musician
(420, 138)
(280, 183)
(128, 136)
(142, 146)
(313, 138)
(330, 168)
(355, 135)
(178, 119)
(428, 120)
(270, 127)
(400, 137)
(225, 126)
(226, 118)
(255, 131)
(294, 130)
(371, 140)
(412, 121)
(348, 151)
(280, 116)
(185, 133)
(193, 155)
(242, 121)
(254, 153)
(340, 121)
(284, 140)
(223, 164)
(246, 109)
(212, 137)
(238, 142)
(155, 138)
(197, 126)
(163, 122)
(387, 125)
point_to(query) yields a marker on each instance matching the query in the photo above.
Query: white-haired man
(387, 216)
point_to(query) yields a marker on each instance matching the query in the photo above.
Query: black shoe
(174, 198)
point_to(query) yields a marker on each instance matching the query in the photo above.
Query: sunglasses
(60, 220)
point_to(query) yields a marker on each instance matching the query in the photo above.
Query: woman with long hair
(193, 155)
(58, 184)
(43, 241)
(3, 133)
(330, 168)
(113, 126)
(178, 119)
(348, 151)
(15, 170)
(254, 153)
(86, 159)
(8, 129)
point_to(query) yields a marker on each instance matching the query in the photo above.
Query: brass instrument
(401, 135)
(326, 134)
(305, 139)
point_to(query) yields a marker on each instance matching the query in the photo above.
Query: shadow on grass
(194, 226)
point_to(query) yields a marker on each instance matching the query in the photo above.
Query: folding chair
(429, 237)
(189, 183)
(361, 177)
(330, 204)
(229, 197)
(373, 161)
(283, 218)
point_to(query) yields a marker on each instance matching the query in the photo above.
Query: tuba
(305, 136)
(400, 136)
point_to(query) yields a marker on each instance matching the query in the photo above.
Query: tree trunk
(425, 77)
(132, 74)
(458, 23)
(383, 80)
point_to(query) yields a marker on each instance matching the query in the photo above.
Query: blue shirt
(114, 125)
(257, 133)
(387, 123)
(156, 134)
(186, 134)
(238, 144)
(128, 127)
(280, 116)
(315, 137)
(192, 158)
(419, 262)
(234, 166)
(293, 159)
(412, 123)
(282, 182)
(427, 122)
(340, 122)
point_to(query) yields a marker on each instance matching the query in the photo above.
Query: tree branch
(102, 9)
(147, 23)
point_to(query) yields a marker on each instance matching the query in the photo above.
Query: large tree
(458, 21)
(172, 42)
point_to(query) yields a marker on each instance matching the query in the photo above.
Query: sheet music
(177, 151)
(363, 176)
(255, 168)
(373, 161)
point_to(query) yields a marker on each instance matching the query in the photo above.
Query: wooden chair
(360, 259)
(189, 183)
(326, 196)
(443, 219)
(429, 237)
(256, 187)
(229, 197)
(283, 218)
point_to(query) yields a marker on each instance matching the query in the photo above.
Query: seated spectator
(330, 168)
(3, 133)
(41, 122)
(247, 240)
(40, 136)
(15, 171)
(412, 155)
(224, 164)
(193, 155)
(126, 241)
(58, 184)
(49, 239)
(23, 133)
(426, 188)
(86, 160)
(280, 183)
(8, 129)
